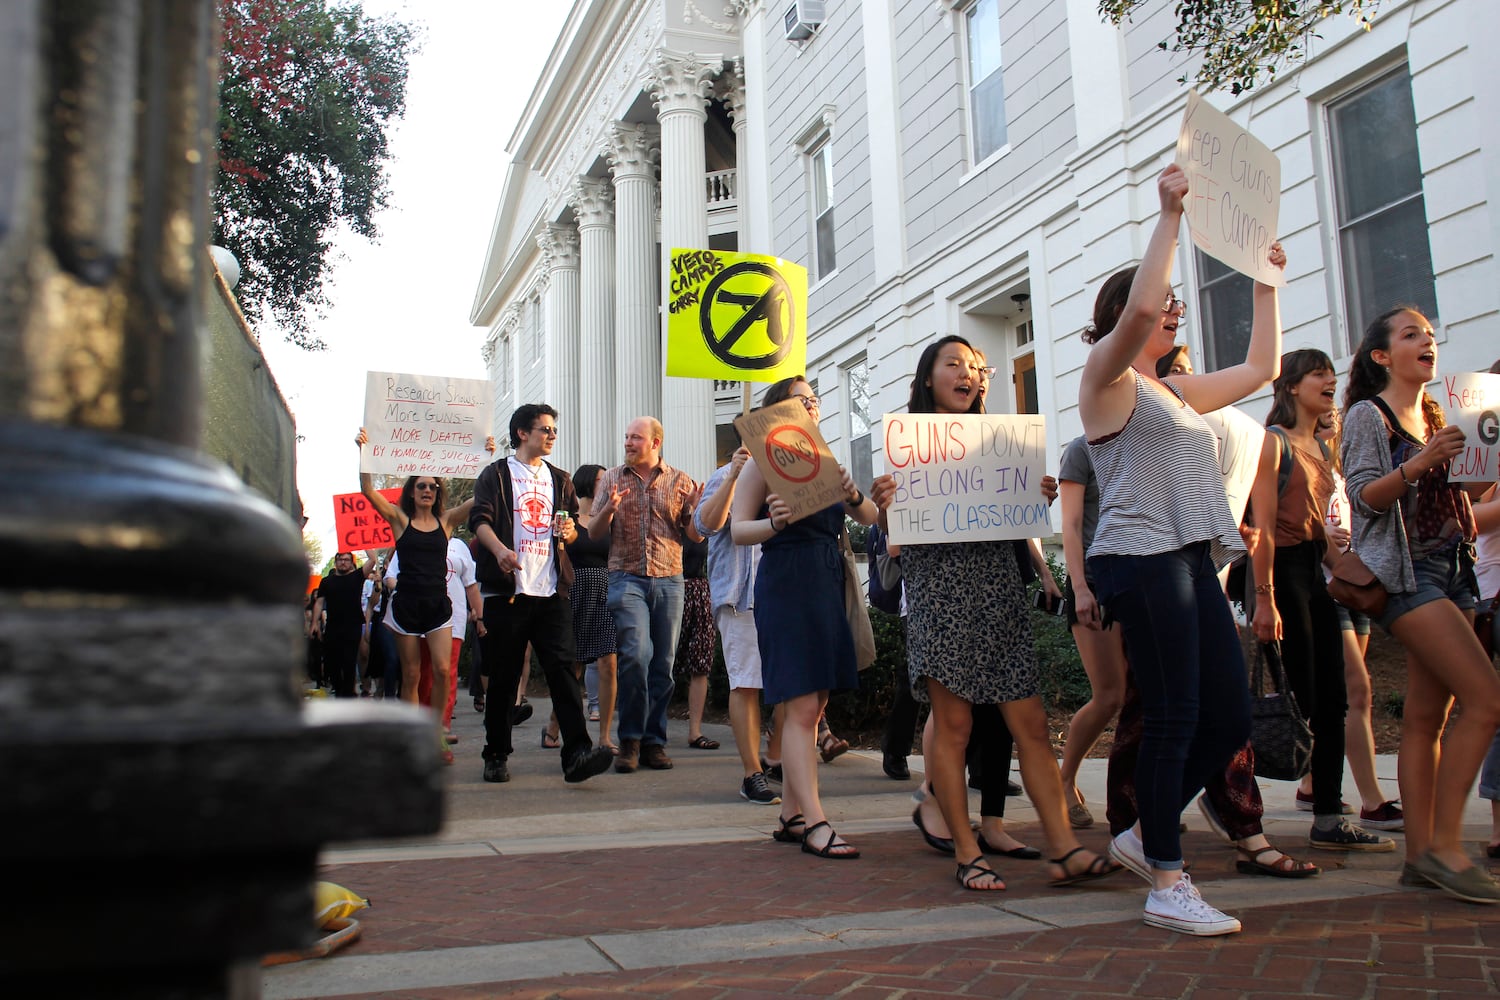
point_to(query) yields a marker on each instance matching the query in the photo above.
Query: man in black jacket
(522, 518)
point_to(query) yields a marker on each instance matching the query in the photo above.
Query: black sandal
(975, 870)
(1100, 867)
(786, 835)
(826, 851)
(704, 743)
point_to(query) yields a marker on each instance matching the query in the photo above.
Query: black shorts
(421, 614)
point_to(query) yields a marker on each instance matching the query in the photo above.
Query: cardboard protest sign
(791, 454)
(736, 316)
(1234, 190)
(359, 526)
(967, 477)
(1471, 401)
(426, 425)
(1241, 438)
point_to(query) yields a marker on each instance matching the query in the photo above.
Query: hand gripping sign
(1234, 190)
(426, 425)
(791, 454)
(966, 477)
(1471, 401)
(739, 316)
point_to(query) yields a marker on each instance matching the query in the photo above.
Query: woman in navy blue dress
(806, 649)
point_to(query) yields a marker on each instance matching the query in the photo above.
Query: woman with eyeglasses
(806, 649)
(969, 643)
(420, 611)
(1164, 531)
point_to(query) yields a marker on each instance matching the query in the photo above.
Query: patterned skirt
(593, 625)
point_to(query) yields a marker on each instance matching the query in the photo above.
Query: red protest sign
(357, 525)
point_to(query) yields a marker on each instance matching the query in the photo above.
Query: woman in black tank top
(421, 608)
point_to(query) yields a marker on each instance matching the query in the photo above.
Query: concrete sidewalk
(667, 883)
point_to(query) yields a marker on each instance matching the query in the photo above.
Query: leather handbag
(1355, 586)
(854, 606)
(1279, 734)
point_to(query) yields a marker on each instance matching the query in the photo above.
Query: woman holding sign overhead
(420, 611)
(969, 643)
(1164, 531)
(806, 649)
(1414, 529)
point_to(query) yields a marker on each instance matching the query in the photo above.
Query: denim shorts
(1439, 577)
(1353, 621)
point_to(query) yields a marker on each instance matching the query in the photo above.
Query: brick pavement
(1395, 945)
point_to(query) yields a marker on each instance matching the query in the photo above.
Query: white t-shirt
(1337, 514)
(460, 577)
(1487, 565)
(531, 528)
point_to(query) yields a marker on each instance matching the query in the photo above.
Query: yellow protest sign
(736, 316)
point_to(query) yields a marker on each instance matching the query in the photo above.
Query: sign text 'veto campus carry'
(426, 425)
(966, 477)
(1471, 401)
(359, 526)
(1234, 190)
(1241, 438)
(791, 454)
(736, 316)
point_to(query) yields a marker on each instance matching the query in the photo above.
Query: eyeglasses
(1174, 304)
(551, 432)
(988, 371)
(808, 401)
(426, 487)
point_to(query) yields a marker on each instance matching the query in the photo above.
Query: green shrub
(867, 707)
(1065, 684)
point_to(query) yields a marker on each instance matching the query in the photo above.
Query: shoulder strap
(1393, 425)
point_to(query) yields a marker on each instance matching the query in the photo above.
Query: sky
(401, 303)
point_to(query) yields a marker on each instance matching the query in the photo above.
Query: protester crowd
(615, 574)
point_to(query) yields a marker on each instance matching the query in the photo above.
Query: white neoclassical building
(969, 166)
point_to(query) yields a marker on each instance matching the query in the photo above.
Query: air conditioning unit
(802, 19)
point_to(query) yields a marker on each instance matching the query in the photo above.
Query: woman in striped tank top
(1164, 530)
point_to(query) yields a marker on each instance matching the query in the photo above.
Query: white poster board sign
(1241, 438)
(425, 425)
(1234, 190)
(1471, 402)
(966, 478)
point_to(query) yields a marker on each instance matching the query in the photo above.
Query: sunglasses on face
(550, 432)
(426, 487)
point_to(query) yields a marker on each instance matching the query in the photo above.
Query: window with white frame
(534, 331)
(861, 460)
(986, 77)
(1382, 216)
(820, 186)
(1224, 307)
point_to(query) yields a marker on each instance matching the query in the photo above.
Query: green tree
(1239, 40)
(313, 546)
(307, 91)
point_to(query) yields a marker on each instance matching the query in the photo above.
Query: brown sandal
(1100, 867)
(831, 746)
(1286, 866)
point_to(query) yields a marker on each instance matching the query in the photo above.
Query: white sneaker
(1182, 909)
(1128, 850)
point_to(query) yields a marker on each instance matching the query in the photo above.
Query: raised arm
(747, 526)
(1213, 390)
(713, 512)
(393, 515)
(1105, 396)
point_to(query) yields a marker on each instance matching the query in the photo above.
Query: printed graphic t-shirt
(532, 528)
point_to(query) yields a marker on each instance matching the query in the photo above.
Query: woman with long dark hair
(1414, 529)
(806, 649)
(957, 592)
(421, 610)
(1164, 531)
(1289, 503)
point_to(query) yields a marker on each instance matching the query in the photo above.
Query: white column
(632, 151)
(680, 85)
(888, 221)
(1101, 84)
(594, 425)
(560, 258)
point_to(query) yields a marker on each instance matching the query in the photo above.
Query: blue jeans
(1184, 653)
(1439, 576)
(648, 616)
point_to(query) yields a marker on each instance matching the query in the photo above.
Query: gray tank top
(1160, 484)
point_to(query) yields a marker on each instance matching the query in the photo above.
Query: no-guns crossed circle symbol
(762, 295)
(793, 454)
